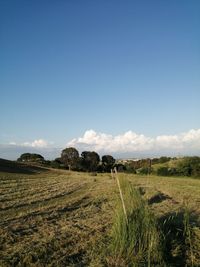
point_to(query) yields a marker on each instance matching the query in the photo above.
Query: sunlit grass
(138, 241)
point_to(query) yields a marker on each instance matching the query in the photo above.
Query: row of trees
(31, 157)
(70, 159)
(88, 161)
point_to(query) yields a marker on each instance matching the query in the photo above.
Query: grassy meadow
(59, 218)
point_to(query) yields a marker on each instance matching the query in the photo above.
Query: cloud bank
(126, 145)
(131, 142)
(13, 150)
(39, 143)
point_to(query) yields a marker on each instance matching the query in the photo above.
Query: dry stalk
(121, 196)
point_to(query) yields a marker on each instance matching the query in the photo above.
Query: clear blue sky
(111, 66)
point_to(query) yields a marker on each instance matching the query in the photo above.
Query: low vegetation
(90, 161)
(166, 166)
(136, 240)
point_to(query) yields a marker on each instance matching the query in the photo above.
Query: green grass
(137, 241)
(61, 218)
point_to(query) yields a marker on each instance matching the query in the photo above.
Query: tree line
(90, 161)
(70, 159)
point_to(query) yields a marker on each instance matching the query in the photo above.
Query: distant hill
(17, 167)
(186, 166)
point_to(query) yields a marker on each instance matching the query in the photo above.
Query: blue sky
(111, 66)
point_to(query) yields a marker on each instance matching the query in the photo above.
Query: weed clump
(136, 241)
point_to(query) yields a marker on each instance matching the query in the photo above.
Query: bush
(164, 159)
(143, 170)
(172, 171)
(188, 166)
(55, 164)
(163, 171)
(130, 169)
(120, 167)
(30, 157)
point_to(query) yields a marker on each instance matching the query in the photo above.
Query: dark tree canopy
(58, 160)
(30, 157)
(70, 157)
(90, 160)
(108, 161)
(120, 167)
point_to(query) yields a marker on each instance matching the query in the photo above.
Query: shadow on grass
(179, 251)
(158, 198)
(16, 167)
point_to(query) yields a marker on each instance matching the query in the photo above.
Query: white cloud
(133, 142)
(39, 143)
(13, 143)
(13, 151)
(36, 143)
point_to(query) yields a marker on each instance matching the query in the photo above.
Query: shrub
(143, 170)
(163, 171)
(28, 157)
(164, 159)
(120, 167)
(130, 169)
(189, 166)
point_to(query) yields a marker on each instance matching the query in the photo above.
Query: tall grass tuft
(188, 234)
(138, 241)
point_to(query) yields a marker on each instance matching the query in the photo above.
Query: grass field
(61, 218)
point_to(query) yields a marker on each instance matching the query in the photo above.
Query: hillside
(185, 166)
(18, 167)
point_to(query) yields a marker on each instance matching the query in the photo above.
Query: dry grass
(51, 218)
(55, 218)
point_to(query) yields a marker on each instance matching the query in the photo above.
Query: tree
(90, 160)
(163, 171)
(57, 163)
(27, 157)
(70, 157)
(164, 159)
(188, 166)
(120, 167)
(108, 162)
